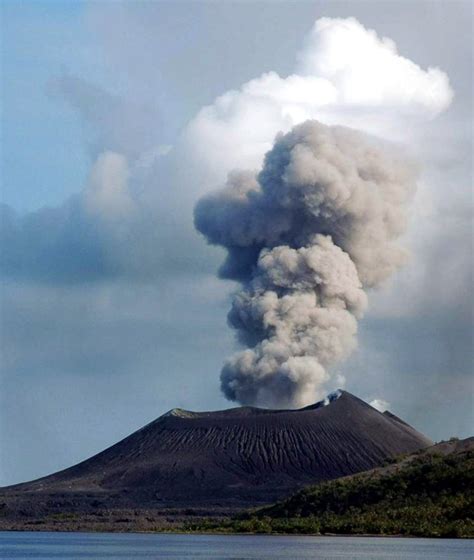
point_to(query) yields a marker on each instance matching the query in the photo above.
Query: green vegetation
(428, 495)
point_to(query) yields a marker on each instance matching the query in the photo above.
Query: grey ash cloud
(306, 238)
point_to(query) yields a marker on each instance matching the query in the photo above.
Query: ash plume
(306, 237)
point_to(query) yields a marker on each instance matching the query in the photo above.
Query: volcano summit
(232, 458)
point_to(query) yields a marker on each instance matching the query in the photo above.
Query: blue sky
(103, 330)
(39, 41)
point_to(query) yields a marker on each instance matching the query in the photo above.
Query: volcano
(236, 458)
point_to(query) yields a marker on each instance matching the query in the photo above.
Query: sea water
(98, 546)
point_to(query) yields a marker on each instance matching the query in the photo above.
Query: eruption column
(305, 238)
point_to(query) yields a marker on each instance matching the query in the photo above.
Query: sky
(118, 116)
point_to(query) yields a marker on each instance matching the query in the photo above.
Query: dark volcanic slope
(244, 455)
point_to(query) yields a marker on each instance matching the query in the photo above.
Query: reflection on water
(97, 546)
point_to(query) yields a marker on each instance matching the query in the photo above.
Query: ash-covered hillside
(232, 458)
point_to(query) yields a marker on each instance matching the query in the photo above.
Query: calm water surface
(97, 546)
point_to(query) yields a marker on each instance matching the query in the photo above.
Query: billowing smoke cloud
(305, 237)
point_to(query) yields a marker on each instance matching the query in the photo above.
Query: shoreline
(234, 534)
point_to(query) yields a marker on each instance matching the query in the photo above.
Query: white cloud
(107, 192)
(345, 75)
(367, 70)
(380, 404)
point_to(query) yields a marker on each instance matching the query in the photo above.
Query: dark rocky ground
(187, 465)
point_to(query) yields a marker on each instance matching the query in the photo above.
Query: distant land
(189, 465)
